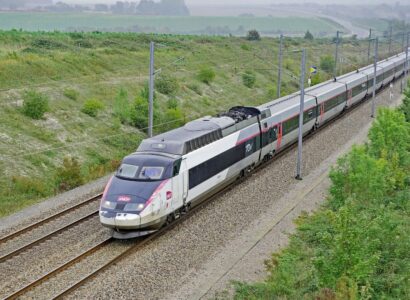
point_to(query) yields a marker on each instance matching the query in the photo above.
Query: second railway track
(26, 238)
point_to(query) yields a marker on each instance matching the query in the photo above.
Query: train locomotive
(176, 170)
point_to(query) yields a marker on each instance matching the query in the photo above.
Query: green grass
(56, 65)
(180, 25)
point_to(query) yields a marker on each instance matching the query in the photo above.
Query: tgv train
(176, 170)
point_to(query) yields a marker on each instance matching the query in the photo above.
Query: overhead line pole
(301, 115)
(370, 43)
(376, 54)
(151, 91)
(336, 53)
(390, 37)
(280, 66)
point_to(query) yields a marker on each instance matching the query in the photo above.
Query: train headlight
(108, 204)
(134, 207)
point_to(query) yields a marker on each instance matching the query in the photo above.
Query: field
(94, 83)
(175, 25)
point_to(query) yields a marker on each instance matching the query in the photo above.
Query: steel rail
(59, 269)
(48, 219)
(47, 236)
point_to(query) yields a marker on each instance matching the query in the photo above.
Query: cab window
(176, 168)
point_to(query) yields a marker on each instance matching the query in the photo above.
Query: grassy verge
(356, 246)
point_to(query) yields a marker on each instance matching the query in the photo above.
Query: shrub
(327, 63)
(139, 113)
(253, 35)
(174, 118)
(166, 85)
(249, 79)
(69, 175)
(246, 47)
(172, 103)
(405, 107)
(206, 75)
(92, 107)
(31, 186)
(35, 105)
(71, 94)
(122, 108)
(195, 88)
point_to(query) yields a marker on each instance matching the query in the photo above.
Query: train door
(177, 186)
(321, 113)
(349, 97)
(185, 181)
(279, 136)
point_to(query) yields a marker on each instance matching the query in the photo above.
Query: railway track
(51, 234)
(141, 243)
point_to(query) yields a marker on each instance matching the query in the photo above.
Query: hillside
(105, 74)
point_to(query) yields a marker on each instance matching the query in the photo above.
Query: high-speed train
(176, 170)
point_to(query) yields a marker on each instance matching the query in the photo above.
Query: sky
(250, 2)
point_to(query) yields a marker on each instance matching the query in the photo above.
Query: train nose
(120, 220)
(125, 220)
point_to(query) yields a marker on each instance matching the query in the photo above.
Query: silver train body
(176, 170)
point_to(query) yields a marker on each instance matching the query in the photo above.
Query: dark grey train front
(133, 197)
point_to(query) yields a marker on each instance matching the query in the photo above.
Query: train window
(151, 173)
(177, 167)
(273, 133)
(127, 171)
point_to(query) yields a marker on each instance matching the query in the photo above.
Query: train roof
(201, 132)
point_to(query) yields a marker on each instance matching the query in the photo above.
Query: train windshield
(127, 171)
(145, 168)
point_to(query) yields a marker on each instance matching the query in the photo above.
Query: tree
(308, 36)
(253, 35)
(327, 63)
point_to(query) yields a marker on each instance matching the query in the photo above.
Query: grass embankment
(357, 245)
(92, 86)
(160, 24)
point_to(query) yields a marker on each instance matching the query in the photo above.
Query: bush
(172, 103)
(166, 85)
(405, 107)
(174, 118)
(206, 75)
(69, 175)
(327, 63)
(139, 110)
(92, 107)
(71, 94)
(195, 88)
(253, 35)
(30, 186)
(35, 105)
(249, 79)
(122, 108)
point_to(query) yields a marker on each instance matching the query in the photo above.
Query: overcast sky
(249, 2)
